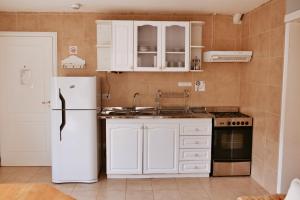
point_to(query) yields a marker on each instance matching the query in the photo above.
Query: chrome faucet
(135, 95)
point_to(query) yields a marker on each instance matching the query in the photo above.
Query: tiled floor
(141, 189)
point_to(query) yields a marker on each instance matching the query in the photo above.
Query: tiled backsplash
(222, 80)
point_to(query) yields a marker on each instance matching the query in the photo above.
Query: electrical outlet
(199, 86)
(105, 96)
(184, 84)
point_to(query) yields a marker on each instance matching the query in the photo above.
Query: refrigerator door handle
(63, 114)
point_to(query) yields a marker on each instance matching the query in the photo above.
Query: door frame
(53, 36)
(290, 19)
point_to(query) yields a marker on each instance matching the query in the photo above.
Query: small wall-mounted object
(199, 86)
(227, 56)
(73, 50)
(73, 61)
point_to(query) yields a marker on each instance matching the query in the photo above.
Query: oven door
(232, 144)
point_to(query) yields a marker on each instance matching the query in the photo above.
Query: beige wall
(261, 79)
(222, 80)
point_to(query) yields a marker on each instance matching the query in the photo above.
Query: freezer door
(78, 92)
(74, 155)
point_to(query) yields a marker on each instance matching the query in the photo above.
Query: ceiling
(192, 6)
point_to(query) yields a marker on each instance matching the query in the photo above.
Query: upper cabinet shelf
(155, 46)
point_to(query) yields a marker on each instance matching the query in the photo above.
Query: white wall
(289, 156)
(292, 5)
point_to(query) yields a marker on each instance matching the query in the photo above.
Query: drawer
(203, 142)
(194, 154)
(194, 166)
(200, 127)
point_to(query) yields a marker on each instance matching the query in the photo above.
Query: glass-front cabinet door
(175, 46)
(147, 46)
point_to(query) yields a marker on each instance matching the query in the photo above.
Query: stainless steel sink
(151, 112)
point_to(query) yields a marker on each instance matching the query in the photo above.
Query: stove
(232, 142)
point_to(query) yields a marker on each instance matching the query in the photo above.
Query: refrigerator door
(78, 92)
(74, 151)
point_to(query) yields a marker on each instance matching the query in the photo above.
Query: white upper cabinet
(104, 45)
(155, 46)
(122, 45)
(114, 45)
(175, 46)
(147, 45)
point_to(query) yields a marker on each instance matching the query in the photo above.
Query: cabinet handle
(197, 155)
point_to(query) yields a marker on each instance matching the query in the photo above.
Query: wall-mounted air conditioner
(227, 56)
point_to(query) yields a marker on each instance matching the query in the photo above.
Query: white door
(175, 46)
(161, 148)
(26, 64)
(147, 46)
(124, 148)
(122, 34)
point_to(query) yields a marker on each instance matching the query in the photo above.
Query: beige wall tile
(261, 81)
(28, 22)
(8, 21)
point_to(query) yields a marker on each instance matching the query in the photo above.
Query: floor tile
(139, 195)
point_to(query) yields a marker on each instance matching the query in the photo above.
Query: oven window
(232, 143)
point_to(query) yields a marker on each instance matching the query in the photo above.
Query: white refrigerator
(74, 129)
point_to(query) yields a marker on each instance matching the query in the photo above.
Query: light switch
(199, 86)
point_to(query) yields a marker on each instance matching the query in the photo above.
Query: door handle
(63, 115)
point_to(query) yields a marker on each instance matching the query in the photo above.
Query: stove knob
(228, 123)
(242, 123)
(238, 123)
(246, 123)
(233, 123)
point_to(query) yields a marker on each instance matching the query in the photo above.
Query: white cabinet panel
(122, 34)
(195, 141)
(200, 127)
(161, 148)
(194, 166)
(194, 154)
(124, 148)
(147, 45)
(104, 33)
(175, 46)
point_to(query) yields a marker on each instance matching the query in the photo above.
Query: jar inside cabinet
(147, 46)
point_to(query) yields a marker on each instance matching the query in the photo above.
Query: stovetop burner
(229, 115)
(231, 119)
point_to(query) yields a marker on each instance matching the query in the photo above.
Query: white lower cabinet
(161, 148)
(124, 148)
(157, 148)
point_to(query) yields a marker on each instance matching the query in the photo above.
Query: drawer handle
(196, 167)
(197, 155)
(197, 142)
(197, 129)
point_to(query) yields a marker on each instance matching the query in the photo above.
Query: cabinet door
(147, 46)
(124, 148)
(175, 46)
(122, 34)
(161, 148)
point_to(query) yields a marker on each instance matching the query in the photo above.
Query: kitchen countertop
(152, 113)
